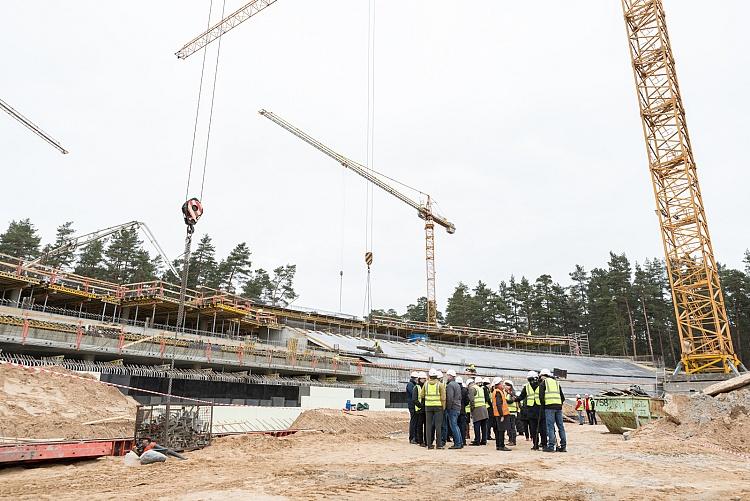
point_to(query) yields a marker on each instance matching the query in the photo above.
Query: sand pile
(698, 420)
(365, 423)
(41, 404)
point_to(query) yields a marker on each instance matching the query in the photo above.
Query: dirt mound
(700, 420)
(51, 404)
(365, 423)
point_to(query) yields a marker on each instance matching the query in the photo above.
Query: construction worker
(591, 409)
(500, 413)
(411, 396)
(434, 405)
(490, 423)
(467, 409)
(533, 409)
(420, 435)
(580, 406)
(453, 408)
(462, 412)
(479, 414)
(552, 398)
(510, 398)
(471, 369)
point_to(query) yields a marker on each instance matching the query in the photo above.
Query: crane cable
(369, 191)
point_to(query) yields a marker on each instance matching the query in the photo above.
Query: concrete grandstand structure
(235, 350)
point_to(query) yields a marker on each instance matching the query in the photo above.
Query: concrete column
(15, 295)
(125, 313)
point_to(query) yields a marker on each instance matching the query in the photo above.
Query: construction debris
(700, 420)
(369, 423)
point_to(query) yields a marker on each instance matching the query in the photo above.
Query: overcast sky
(520, 118)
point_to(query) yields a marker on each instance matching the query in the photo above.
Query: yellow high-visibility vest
(479, 397)
(551, 392)
(432, 395)
(512, 404)
(532, 396)
(417, 405)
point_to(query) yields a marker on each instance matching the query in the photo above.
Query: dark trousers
(522, 426)
(412, 424)
(480, 431)
(592, 417)
(434, 420)
(511, 429)
(500, 426)
(538, 428)
(463, 426)
(491, 427)
(419, 434)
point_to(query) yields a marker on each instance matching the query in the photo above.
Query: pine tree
(417, 312)
(20, 240)
(235, 270)
(64, 259)
(203, 268)
(91, 261)
(460, 307)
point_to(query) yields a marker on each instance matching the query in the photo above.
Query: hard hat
(439, 374)
(451, 372)
(414, 374)
(422, 375)
(460, 380)
(508, 382)
(531, 374)
(545, 372)
(578, 395)
(469, 381)
(497, 381)
(433, 373)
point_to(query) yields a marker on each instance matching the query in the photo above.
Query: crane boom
(217, 30)
(424, 211)
(33, 127)
(693, 274)
(87, 238)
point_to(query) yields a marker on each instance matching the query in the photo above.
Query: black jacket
(410, 393)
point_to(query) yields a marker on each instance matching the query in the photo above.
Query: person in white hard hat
(419, 409)
(552, 398)
(479, 414)
(533, 410)
(500, 413)
(452, 410)
(466, 408)
(490, 423)
(580, 407)
(510, 398)
(411, 396)
(434, 405)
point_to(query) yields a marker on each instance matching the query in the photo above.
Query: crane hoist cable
(369, 155)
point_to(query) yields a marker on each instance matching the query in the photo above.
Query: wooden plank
(728, 385)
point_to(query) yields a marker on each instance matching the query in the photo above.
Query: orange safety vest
(504, 408)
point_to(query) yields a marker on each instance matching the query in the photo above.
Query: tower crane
(217, 30)
(424, 210)
(699, 307)
(33, 127)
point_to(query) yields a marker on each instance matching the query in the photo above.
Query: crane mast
(701, 315)
(424, 211)
(217, 30)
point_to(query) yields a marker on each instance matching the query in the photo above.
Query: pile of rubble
(366, 424)
(702, 420)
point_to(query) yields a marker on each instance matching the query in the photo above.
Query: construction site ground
(315, 465)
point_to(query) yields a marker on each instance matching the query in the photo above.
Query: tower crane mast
(699, 306)
(424, 210)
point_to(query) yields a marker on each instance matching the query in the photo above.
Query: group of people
(586, 404)
(442, 407)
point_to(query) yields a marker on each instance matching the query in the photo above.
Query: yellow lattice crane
(424, 210)
(693, 275)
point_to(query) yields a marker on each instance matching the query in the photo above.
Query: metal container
(620, 414)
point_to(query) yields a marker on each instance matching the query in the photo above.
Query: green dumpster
(623, 413)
